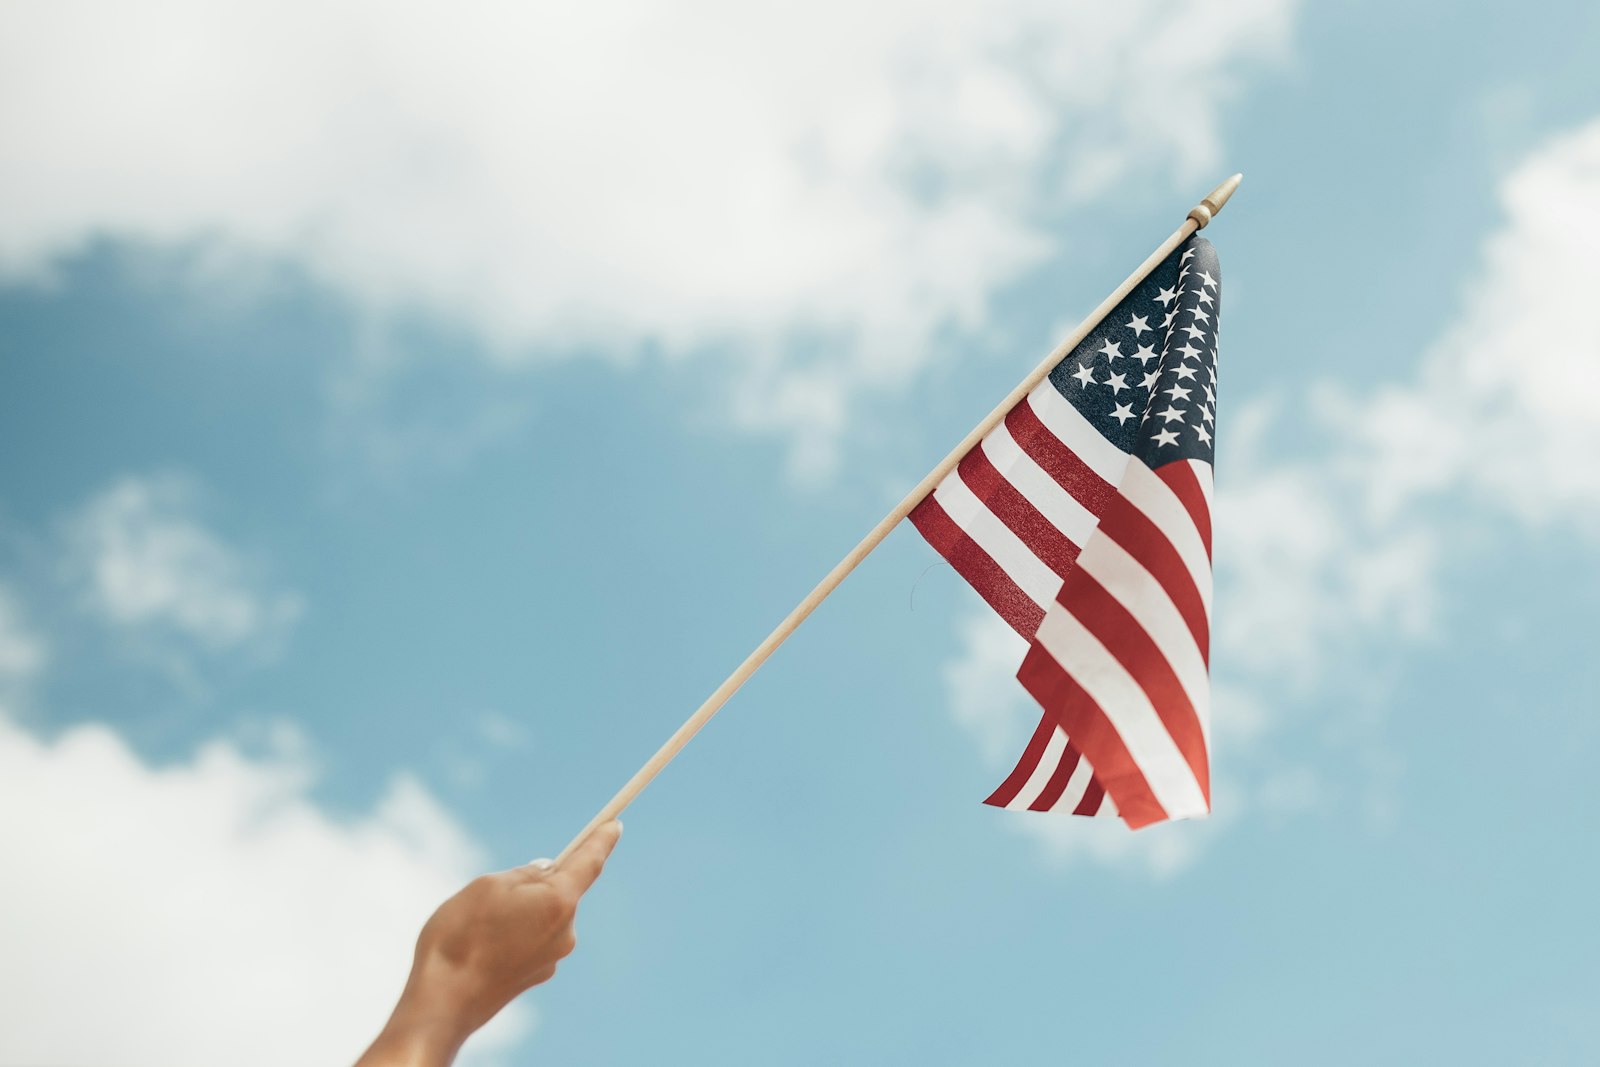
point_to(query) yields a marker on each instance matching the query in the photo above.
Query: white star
(1122, 414)
(1138, 324)
(1177, 392)
(1195, 331)
(1185, 371)
(1187, 252)
(1118, 383)
(1172, 414)
(1166, 437)
(1208, 415)
(1188, 351)
(1205, 297)
(1111, 349)
(1171, 315)
(1150, 379)
(1207, 279)
(1145, 354)
(1084, 374)
(1211, 397)
(1200, 316)
(1203, 433)
(1167, 296)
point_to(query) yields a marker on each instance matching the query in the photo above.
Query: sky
(408, 415)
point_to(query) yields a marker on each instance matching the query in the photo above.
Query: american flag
(1084, 519)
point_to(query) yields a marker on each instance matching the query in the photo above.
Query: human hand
(502, 934)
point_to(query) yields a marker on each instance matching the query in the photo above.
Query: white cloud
(1503, 405)
(208, 911)
(985, 697)
(1157, 851)
(608, 175)
(1303, 565)
(146, 562)
(1493, 423)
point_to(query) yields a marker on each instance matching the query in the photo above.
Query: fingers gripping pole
(1199, 216)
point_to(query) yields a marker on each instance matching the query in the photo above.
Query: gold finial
(1206, 209)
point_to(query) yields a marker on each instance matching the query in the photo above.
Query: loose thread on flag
(1199, 216)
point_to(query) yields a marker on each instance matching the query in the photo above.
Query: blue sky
(404, 424)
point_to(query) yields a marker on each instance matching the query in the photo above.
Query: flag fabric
(1084, 520)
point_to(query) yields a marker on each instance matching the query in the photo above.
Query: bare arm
(504, 933)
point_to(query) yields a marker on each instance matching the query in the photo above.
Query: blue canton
(1146, 376)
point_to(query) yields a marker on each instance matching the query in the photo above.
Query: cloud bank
(207, 912)
(606, 177)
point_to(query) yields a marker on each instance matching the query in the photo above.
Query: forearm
(412, 1039)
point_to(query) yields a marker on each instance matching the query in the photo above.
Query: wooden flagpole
(1199, 216)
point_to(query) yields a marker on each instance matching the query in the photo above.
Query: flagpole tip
(1214, 201)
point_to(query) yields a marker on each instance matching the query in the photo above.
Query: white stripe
(1137, 590)
(1041, 772)
(1129, 711)
(1077, 785)
(1074, 431)
(1203, 475)
(1059, 507)
(1108, 807)
(1037, 581)
(1147, 492)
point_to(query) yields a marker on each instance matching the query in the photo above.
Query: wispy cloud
(1302, 568)
(145, 562)
(601, 178)
(22, 651)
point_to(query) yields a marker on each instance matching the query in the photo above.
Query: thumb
(580, 869)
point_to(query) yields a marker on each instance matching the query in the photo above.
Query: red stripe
(1077, 713)
(976, 566)
(1008, 790)
(1144, 541)
(1093, 796)
(1049, 544)
(1180, 477)
(1058, 781)
(1104, 616)
(1059, 461)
